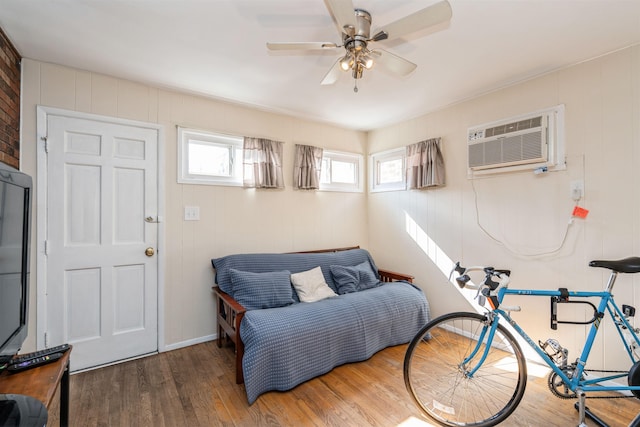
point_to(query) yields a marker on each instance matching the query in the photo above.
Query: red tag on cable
(580, 212)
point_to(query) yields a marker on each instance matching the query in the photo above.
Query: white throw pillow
(310, 285)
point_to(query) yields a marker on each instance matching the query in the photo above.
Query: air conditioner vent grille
(509, 150)
(531, 123)
(531, 147)
(476, 155)
(512, 149)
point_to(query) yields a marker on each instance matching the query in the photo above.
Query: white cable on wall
(508, 247)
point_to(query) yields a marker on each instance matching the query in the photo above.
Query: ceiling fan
(354, 26)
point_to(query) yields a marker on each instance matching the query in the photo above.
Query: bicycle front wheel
(439, 371)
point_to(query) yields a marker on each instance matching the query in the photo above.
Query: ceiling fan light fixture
(347, 62)
(367, 61)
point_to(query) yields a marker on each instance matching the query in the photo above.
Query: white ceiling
(217, 48)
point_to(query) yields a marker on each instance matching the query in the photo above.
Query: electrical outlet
(191, 213)
(577, 189)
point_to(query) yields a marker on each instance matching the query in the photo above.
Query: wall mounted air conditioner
(530, 141)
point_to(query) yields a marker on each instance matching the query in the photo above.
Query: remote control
(33, 363)
(36, 354)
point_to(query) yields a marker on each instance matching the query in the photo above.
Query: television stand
(42, 383)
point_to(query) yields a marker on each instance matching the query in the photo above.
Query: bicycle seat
(626, 265)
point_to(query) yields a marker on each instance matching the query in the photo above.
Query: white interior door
(102, 234)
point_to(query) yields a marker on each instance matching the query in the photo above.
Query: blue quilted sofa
(282, 340)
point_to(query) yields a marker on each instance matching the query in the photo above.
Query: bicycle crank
(558, 388)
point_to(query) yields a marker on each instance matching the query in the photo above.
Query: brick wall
(9, 102)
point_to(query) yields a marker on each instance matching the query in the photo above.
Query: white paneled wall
(231, 219)
(526, 212)
(416, 232)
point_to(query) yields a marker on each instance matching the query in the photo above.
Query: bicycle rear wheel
(440, 383)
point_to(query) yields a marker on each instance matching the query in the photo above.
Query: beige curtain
(425, 165)
(262, 163)
(306, 167)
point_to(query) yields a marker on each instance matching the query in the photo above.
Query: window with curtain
(262, 163)
(425, 165)
(306, 167)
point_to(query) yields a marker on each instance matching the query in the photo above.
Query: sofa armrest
(390, 276)
(229, 316)
(228, 299)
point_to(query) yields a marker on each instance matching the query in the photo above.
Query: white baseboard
(170, 347)
(187, 343)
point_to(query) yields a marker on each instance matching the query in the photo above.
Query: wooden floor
(195, 386)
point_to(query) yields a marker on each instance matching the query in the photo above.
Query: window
(387, 170)
(208, 158)
(341, 172)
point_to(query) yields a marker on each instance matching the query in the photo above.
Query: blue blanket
(287, 346)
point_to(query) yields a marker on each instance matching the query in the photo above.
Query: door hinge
(46, 143)
(46, 247)
(46, 339)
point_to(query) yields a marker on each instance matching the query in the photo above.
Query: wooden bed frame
(231, 312)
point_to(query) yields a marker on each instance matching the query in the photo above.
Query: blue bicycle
(467, 369)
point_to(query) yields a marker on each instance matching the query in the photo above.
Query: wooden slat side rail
(390, 276)
(230, 314)
(320, 251)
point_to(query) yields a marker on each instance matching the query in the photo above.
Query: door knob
(149, 251)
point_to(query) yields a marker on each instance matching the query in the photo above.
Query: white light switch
(192, 213)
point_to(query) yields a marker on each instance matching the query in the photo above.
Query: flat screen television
(15, 222)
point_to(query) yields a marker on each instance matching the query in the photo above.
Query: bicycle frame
(607, 305)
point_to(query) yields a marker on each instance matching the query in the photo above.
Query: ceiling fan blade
(429, 16)
(393, 63)
(300, 46)
(343, 15)
(332, 76)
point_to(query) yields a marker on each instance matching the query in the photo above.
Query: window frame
(234, 143)
(354, 158)
(384, 156)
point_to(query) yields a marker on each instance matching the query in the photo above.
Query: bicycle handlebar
(494, 280)
(489, 272)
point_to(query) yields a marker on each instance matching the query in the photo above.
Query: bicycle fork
(491, 324)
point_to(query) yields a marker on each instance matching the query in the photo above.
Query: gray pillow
(261, 290)
(353, 279)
